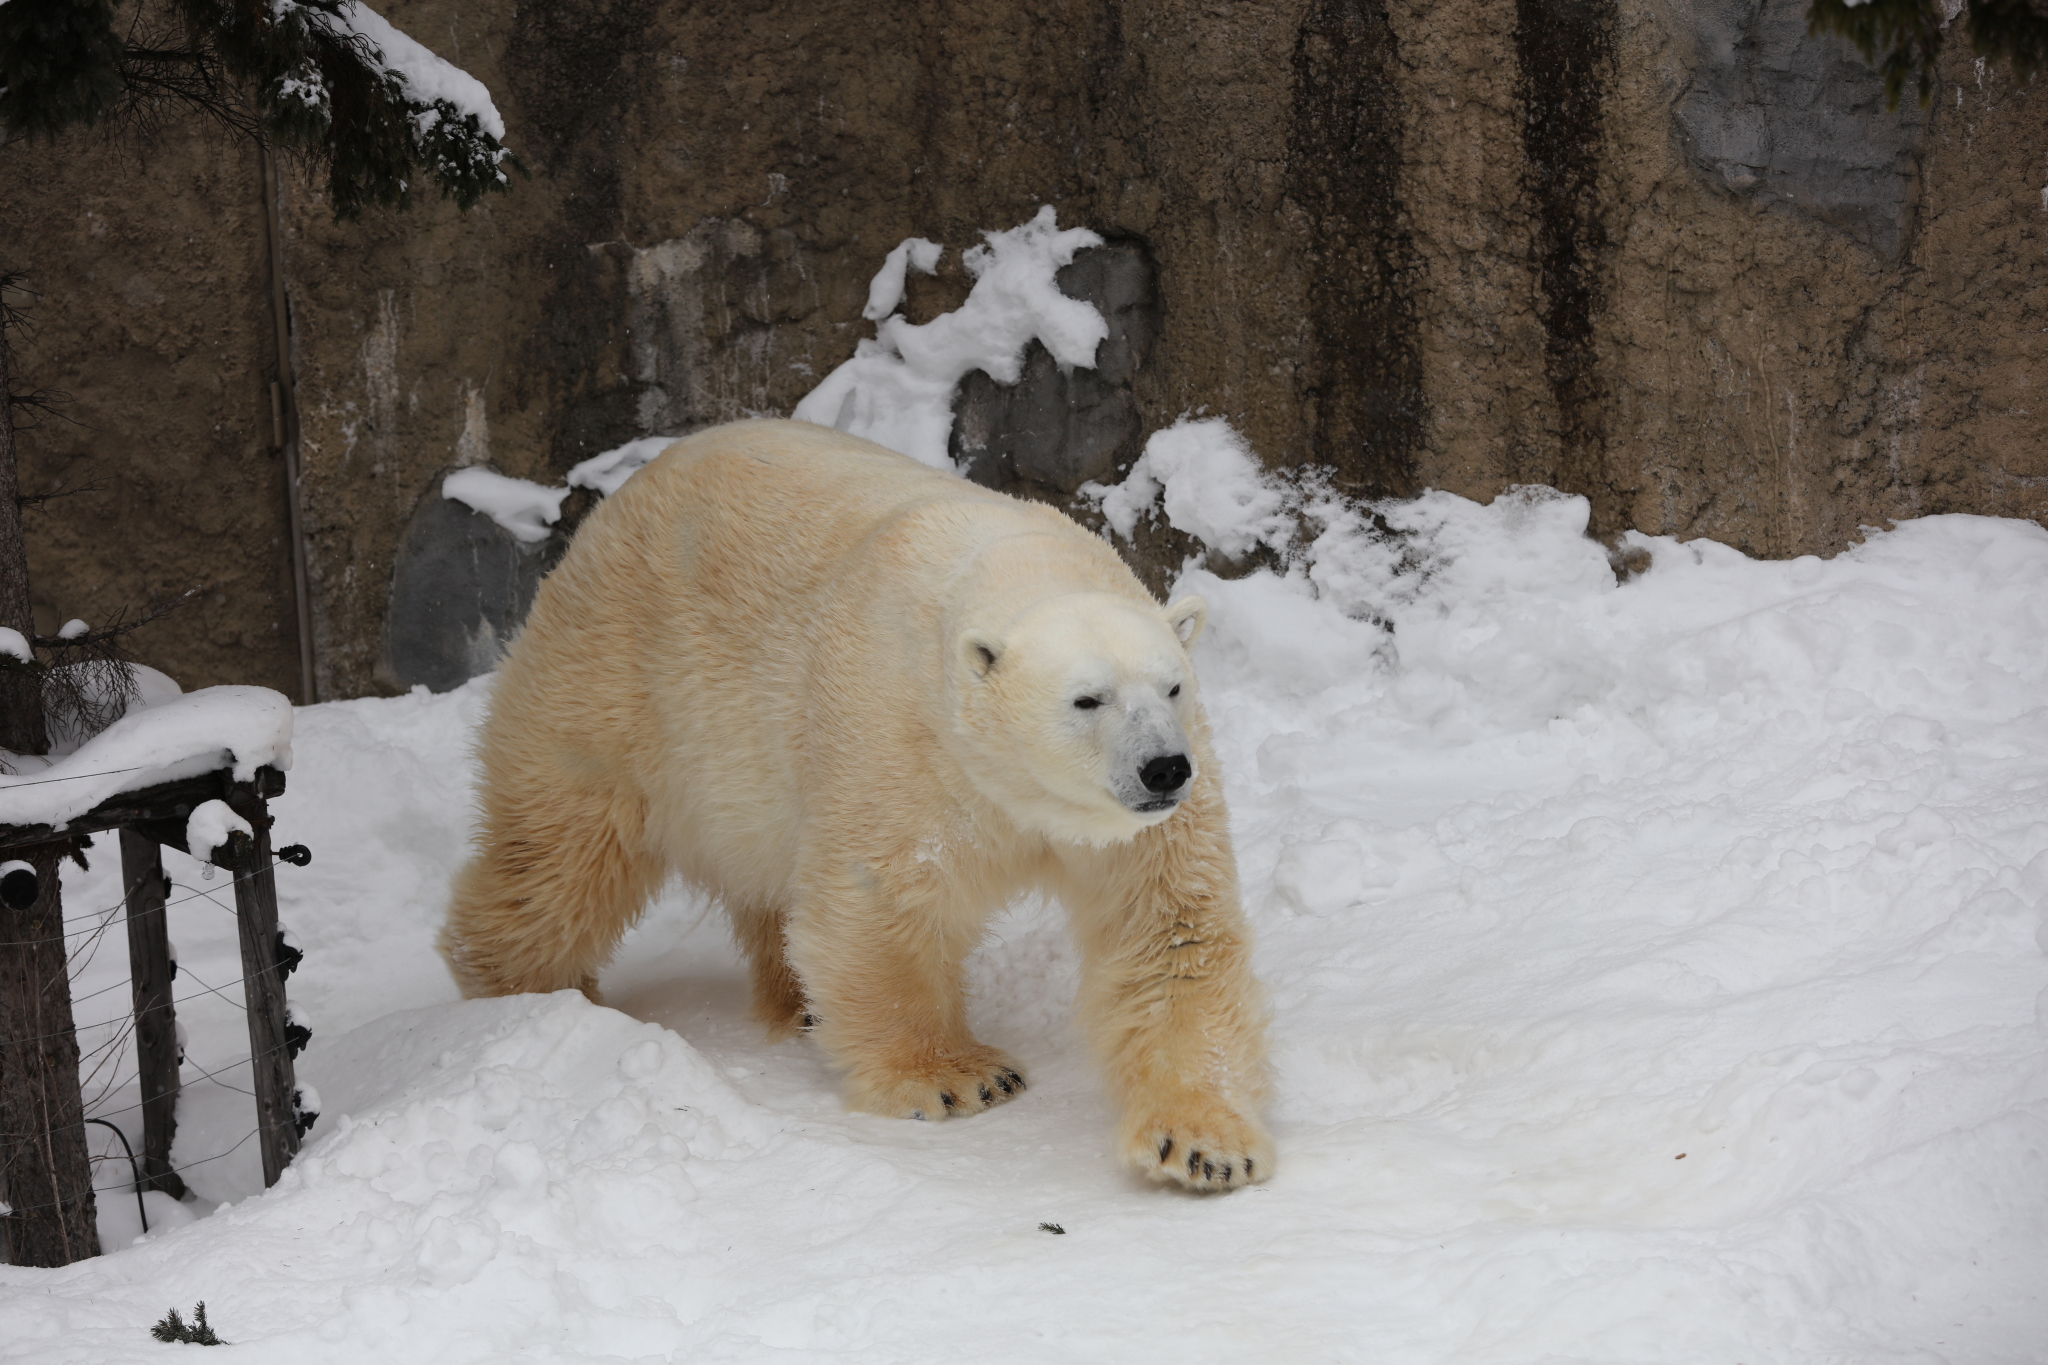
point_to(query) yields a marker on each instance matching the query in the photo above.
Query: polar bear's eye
(1087, 703)
(1175, 692)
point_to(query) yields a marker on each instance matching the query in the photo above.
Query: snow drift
(1659, 971)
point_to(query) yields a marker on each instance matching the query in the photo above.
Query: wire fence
(102, 1069)
(107, 916)
(137, 1184)
(68, 777)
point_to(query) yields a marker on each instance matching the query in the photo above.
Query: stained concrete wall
(149, 319)
(1670, 254)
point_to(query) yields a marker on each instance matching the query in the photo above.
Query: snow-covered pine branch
(1903, 38)
(330, 80)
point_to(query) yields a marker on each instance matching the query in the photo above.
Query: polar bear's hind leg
(554, 883)
(778, 996)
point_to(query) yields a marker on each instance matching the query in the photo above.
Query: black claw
(1226, 1173)
(1247, 1168)
(1015, 1079)
(987, 1099)
(1166, 1149)
(1194, 1163)
(946, 1100)
(1208, 1170)
(1003, 1084)
(810, 1021)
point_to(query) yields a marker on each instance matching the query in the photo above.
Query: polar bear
(864, 704)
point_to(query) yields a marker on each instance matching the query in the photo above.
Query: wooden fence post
(45, 1166)
(263, 986)
(156, 1024)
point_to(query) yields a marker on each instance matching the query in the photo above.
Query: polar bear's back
(773, 517)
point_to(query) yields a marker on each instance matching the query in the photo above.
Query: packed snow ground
(1659, 973)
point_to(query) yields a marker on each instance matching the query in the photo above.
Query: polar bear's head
(1074, 716)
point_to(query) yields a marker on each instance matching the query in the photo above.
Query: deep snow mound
(1659, 972)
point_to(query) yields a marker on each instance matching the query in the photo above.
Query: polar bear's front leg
(1171, 1007)
(883, 975)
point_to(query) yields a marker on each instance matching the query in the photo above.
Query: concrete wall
(1671, 254)
(150, 313)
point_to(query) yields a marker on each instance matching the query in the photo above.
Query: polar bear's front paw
(952, 1085)
(1201, 1145)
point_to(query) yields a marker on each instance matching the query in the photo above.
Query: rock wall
(149, 317)
(1670, 254)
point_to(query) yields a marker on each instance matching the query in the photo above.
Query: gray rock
(1796, 121)
(1060, 428)
(461, 587)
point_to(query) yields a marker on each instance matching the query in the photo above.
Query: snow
(897, 390)
(524, 508)
(14, 645)
(1215, 490)
(151, 688)
(72, 629)
(608, 471)
(1659, 973)
(243, 728)
(885, 291)
(527, 509)
(428, 77)
(210, 825)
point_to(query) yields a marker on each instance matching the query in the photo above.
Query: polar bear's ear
(979, 651)
(1186, 617)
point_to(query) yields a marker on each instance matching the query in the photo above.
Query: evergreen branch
(293, 74)
(172, 1327)
(2012, 31)
(1903, 38)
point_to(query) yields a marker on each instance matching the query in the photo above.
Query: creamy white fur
(838, 690)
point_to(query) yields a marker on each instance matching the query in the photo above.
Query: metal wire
(204, 1075)
(187, 971)
(125, 1026)
(108, 914)
(176, 1170)
(133, 1170)
(70, 777)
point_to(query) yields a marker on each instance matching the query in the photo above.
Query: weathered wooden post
(45, 1167)
(270, 1052)
(156, 1025)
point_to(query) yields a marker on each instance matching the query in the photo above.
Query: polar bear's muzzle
(1162, 782)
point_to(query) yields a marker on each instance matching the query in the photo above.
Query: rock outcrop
(1674, 255)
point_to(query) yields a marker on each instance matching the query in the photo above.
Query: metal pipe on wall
(285, 419)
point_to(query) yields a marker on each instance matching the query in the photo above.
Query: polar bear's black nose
(1165, 773)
